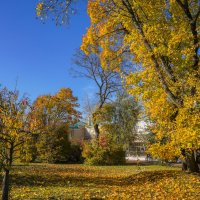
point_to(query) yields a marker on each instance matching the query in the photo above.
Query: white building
(136, 149)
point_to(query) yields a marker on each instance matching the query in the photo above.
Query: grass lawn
(111, 182)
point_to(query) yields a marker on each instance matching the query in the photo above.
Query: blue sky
(39, 55)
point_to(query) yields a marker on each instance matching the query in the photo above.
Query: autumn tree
(161, 39)
(51, 116)
(107, 81)
(14, 131)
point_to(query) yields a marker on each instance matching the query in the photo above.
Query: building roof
(77, 125)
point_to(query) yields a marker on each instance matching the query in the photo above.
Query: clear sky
(39, 55)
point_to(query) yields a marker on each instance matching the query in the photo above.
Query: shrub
(75, 154)
(52, 147)
(97, 152)
(28, 151)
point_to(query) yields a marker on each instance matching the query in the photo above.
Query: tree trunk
(192, 163)
(97, 131)
(6, 178)
(184, 166)
(5, 185)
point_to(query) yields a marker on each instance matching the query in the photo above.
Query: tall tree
(14, 130)
(107, 81)
(161, 38)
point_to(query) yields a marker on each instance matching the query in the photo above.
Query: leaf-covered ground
(113, 182)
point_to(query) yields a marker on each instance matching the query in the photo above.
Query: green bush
(107, 154)
(75, 154)
(52, 147)
(28, 151)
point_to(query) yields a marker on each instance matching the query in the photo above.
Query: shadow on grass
(84, 180)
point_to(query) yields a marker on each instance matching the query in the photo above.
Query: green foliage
(28, 151)
(118, 119)
(103, 153)
(54, 146)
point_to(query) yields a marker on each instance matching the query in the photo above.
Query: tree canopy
(50, 111)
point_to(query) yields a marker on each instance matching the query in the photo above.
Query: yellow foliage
(39, 8)
(157, 39)
(111, 182)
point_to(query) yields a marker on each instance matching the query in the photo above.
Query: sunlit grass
(108, 182)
